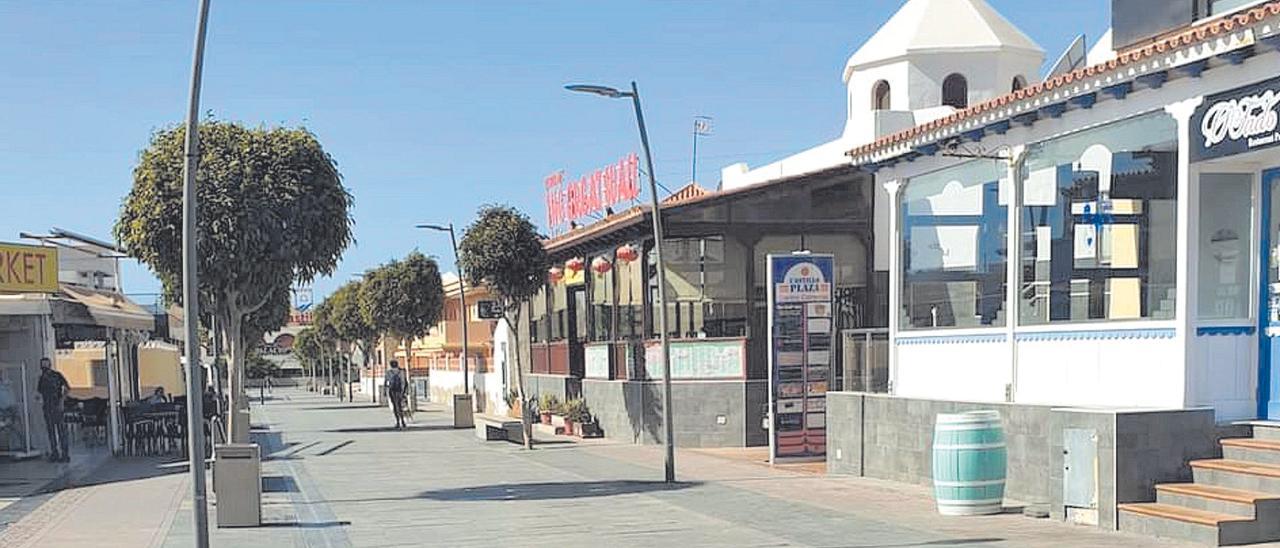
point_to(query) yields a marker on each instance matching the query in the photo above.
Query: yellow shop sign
(28, 269)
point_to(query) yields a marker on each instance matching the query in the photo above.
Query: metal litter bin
(237, 480)
(463, 411)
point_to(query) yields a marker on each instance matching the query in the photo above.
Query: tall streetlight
(462, 293)
(191, 292)
(634, 94)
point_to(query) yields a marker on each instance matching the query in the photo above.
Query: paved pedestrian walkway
(337, 475)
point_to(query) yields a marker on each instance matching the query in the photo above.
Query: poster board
(700, 359)
(801, 324)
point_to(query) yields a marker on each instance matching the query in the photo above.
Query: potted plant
(575, 414)
(547, 404)
(513, 404)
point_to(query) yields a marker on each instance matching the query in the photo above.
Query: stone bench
(490, 428)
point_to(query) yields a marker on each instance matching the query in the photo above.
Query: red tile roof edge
(1191, 36)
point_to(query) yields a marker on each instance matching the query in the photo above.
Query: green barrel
(969, 462)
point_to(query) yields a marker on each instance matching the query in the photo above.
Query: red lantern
(575, 264)
(555, 274)
(628, 253)
(601, 265)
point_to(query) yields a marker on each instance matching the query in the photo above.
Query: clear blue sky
(429, 108)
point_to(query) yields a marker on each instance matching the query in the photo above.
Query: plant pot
(546, 417)
(568, 428)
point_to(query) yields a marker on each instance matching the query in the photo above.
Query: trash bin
(463, 412)
(237, 480)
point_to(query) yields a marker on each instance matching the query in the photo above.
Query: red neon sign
(592, 193)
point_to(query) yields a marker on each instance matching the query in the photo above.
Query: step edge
(1243, 496)
(1251, 443)
(1146, 509)
(1228, 465)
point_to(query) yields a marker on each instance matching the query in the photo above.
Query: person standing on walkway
(53, 389)
(396, 385)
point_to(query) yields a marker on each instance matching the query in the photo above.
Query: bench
(490, 428)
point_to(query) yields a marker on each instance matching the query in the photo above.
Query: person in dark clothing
(396, 385)
(53, 390)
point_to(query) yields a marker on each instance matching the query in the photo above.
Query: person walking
(396, 385)
(53, 389)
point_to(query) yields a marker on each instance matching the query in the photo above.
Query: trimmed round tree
(503, 251)
(272, 212)
(403, 299)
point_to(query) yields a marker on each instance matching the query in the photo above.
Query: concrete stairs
(1234, 500)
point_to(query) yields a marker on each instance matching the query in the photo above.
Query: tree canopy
(404, 298)
(272, 212)
(503, 251)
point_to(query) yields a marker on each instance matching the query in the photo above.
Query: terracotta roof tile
(1184, 38)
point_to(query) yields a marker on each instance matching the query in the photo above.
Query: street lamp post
(462, 294)
(191, 292)
(634, 94)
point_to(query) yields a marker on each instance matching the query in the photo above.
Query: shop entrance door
(577, 330)
(1269, 316)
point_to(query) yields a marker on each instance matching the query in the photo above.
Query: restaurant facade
(592, 331)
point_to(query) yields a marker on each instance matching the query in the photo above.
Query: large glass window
(538, 316)
(1099, 219)
(601, 296)
(954, 229)
(558, 315)
(1226, 243)
(706, 287)
(629, 281)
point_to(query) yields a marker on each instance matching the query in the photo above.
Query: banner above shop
(28, 269)
(1241, 120)
(591, 193)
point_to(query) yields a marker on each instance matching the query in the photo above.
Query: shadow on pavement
(305, 525)
(343, 407)
(553, 490)
(132, 469)
(372, 429)
(947, 542)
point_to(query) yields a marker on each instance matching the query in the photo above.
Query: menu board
(800, 352)
(698, 359)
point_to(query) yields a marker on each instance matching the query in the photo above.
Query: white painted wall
(1223, 373)
(1101, 372)
(948, 370)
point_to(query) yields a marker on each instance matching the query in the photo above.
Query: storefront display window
(558, 313)
(601, 295)
(954, 231)
(538, 316)
(1099, 219)
(628, 273)
(1226, 243)
(706, 288)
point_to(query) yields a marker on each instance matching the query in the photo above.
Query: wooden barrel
(969, 463)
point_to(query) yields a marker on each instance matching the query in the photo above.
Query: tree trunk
(526, 415)
(235, 377)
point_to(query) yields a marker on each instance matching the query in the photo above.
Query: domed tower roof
(930, 26)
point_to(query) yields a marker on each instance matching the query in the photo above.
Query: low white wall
(1118, 368)
(961, 367)
(487, 387)
(1223, 373)
(1122, 368)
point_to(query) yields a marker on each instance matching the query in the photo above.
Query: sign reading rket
(28, 269)
(1237, 121)
(590, 194)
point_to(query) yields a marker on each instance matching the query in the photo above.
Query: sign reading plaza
(800, 335)
(28, 269)
(592, 193)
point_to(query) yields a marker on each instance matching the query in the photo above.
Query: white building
(1095, 255)
(932, 58)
